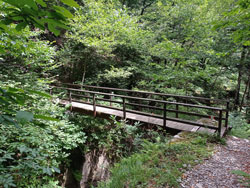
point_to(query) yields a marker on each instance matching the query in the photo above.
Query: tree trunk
(246, 90)
(217, 76)
(84, 73)
(240, 67)
(145, 6)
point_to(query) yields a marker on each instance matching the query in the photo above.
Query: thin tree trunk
(245, 92)
(213, 84)
(145, 6)
(83, 75)
(237, 95)
(248, 93)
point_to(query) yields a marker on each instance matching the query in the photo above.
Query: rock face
(91, 168)
(95, 168)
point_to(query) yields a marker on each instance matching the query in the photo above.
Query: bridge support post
(177, 109)
(124, 107)
(227, 115)
(94, 105)
(111, 97)
(51, 90)
(70, 100)
(220, 124)
(164, 115)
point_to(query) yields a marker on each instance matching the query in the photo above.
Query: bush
(240, 127)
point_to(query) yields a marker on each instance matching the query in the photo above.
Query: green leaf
(47, 170)
(53, 29)
(54, 25)
(9, 120)
(246, 43)
(22, 3)
(23, 149)
(63, 11)
(241, 173)
(3, 100)
(3, 26)
(30, 3)
(1, 119)
(71, 3)
(39, 93)
(17, 18)
(12, 2)
(41, 2)
(24, 116)
(21, 26)
(45, 117)
(29, 12)
(56, 169)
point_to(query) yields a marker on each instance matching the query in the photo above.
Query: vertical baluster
(177, 109)
(220, 124)
(70, 97)
(124, 107)
(164, 115)
(94, 105)
(51, 90)
(227, 114)
(70, 100)
(111, 97)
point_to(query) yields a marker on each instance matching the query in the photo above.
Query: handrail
(94, 94)
(145, 99)
(146, 92)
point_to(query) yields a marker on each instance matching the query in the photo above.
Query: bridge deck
(132, 116)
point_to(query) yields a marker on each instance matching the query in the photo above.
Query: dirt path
(216, 171)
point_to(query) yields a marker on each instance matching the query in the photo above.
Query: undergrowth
(160, 164)
(240, 127)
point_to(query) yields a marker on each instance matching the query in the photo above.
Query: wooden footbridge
(184, 113)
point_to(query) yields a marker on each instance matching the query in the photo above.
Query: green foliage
(115, 77)
(37, 13)
(237, 21)
(159, 164)
(51, 184)
(34, 150)
(115, 137)
(240, 128)
(100, 22)
(105, 40)
(37, 148)
(26, 50)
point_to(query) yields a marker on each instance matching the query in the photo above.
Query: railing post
(111, 97)
(227, 115)
(51, 90)
(124, 107)
(70, 96)
(94, 105)
(88, 95)
(220, 124)
(70, 100)
(177, 109)
(164, 115)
